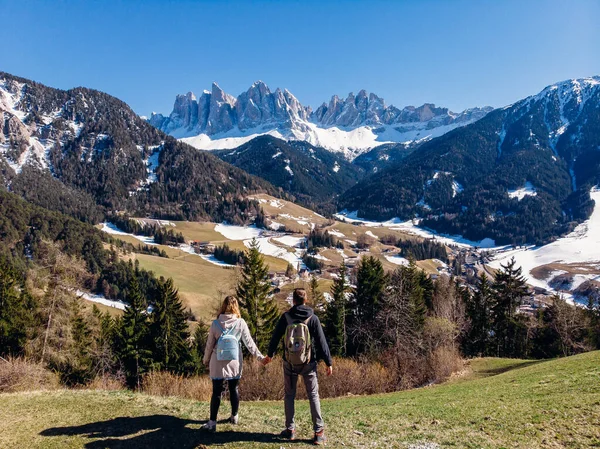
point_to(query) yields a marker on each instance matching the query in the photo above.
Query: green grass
(198, 281)
(502, 404)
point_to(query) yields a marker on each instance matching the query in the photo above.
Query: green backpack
(297, 341)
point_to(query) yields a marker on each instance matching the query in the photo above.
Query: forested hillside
(103, 153)
(314, 176)
(520, 174)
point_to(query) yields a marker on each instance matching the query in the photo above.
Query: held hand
(266, 360)
(329, 370)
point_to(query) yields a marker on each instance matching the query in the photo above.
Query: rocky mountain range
(216, 120)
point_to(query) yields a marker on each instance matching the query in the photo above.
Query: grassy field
(500, 404)
(199, 282)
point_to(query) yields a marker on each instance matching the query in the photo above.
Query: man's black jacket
(320, 349)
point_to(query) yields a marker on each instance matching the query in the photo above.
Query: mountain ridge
(97, 149)
(351, 125)
(524, 171)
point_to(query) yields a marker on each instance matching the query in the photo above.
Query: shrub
(162, 383)
(260, 383)
(108, 382)
(19, 374)
(444, 361)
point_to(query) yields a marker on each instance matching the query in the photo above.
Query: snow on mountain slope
(351, 126)
(13, 128)
(581, 245)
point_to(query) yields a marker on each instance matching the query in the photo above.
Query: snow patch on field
(290, 240)
(336, 233)
(212, 259)
(233, 232)
(275, 225)
(397, 260)
(269, 249)
(411, 227)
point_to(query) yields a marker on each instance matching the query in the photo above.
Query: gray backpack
(297, 341)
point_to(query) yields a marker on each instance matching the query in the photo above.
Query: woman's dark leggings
(234, 397)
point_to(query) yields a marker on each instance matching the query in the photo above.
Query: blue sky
(452, 53)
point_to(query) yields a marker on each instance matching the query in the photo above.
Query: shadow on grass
(154, 431)
(506, 368)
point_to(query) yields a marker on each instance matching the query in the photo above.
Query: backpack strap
(223, 331)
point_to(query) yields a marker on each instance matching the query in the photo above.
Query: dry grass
(261, 383)
(107, 383)
(158, 383)
(18, 374)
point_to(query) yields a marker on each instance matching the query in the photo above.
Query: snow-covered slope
(580, 246)
(217, 120)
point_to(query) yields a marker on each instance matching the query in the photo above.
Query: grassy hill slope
(503, 403)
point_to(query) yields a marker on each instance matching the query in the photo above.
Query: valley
(202, 279)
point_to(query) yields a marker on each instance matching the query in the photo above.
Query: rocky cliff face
(357, 123)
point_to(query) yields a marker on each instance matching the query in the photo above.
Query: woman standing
(224, 357)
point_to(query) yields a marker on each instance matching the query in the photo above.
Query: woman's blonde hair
(230, 306)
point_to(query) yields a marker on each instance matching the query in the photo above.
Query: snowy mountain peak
(352, 125)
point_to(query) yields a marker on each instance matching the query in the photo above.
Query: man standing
(304, 346)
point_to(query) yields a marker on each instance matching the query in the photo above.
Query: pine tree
(510, 289)
(200, 339)
(259, 309)
(16, 312)
(104, 340)
(79, 369)
(336, 315)
(317, 298)
(169, 330)
(370, 283)
(133, 344)
(367, 296)
(478, 312)
(413, 282)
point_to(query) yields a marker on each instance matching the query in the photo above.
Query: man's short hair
(299, 296)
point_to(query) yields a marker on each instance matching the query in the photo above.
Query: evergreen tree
(169, 330)
(133, 347)
(317, 298)
(417, 288)
(510, 289)
(200, 339)
(16, 312)
(426, 283)
(259, 309)
(290, 271)
(478, 311)
(370, 283)
(336, 315)
(104, 340)
(78, 370)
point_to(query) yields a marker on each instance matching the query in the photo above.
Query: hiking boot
(233, 419)
(319, 438)
(210, 426)
(288, 434)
